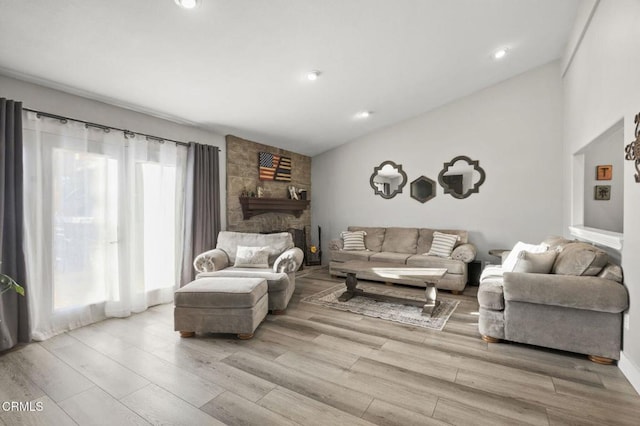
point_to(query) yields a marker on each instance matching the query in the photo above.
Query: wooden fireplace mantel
(252, 206)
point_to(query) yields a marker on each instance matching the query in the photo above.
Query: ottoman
(221, 305)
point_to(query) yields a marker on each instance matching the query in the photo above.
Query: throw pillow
(510, 262)
(252, 257)
(579, 258)
(353, 240)
(535, 263)
(442, 244)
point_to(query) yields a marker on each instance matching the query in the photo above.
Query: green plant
(7, 283)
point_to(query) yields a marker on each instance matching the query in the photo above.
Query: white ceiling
(238, 66)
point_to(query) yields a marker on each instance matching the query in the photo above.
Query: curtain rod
(105, 128)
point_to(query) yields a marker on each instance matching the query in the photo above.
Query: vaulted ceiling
(239, 66)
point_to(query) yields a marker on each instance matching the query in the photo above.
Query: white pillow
(535, 263)
(442, 244)
(353, 240)
(252, 257)
(510, 262)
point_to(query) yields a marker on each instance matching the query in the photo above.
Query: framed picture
(604, 172)
(602, 192)
(274, 167)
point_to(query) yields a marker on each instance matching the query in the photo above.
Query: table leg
(351, 282)
(431, 296)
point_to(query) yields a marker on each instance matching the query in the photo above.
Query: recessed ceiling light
(500, 53)
(313, 75)
(188, 4)
(364, 114)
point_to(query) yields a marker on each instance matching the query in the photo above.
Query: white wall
(56, 102)
(513, 128)
(602, 86)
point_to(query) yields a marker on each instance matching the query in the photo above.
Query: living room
(526, 131)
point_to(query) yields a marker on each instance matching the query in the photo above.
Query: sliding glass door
(104, 223)
(84, 206)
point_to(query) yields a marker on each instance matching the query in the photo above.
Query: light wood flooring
(312, 366)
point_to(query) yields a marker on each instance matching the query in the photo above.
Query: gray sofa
(407, 246)
(577, 307)
(284, 261)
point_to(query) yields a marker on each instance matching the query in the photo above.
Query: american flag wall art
(274, 167)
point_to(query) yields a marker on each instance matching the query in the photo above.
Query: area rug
(405, 314)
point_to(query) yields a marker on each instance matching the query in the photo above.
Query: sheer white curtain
(103, 223)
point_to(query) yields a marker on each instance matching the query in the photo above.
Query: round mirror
(461, 177)
(388, 179)
(423, 189)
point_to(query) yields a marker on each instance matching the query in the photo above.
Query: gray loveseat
(577, 307)
(284, 261)
(408, 246)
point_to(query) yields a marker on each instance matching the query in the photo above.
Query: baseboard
(630, 371)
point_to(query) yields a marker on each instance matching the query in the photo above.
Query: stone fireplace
(243, 177)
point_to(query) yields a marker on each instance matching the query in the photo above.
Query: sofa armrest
(210, 261)
(578, 292)
(336, 245)
(289, 261)
(465, 252)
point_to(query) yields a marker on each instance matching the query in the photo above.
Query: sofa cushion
(252, 257)
(277, 281)
(400, 240)
(580, 259)
(374, 238)
(611, 272)
(353, 240)
(389, 257)
(442, 244)
(347, 255)
(535, 263)
(425, 238)
(221, 293)
(424, 261)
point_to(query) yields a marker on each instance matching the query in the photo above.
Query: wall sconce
(633, 149)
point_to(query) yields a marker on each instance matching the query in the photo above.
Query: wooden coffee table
(391, 273)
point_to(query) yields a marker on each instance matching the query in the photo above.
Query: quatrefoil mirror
(461, 177)
(388, 179)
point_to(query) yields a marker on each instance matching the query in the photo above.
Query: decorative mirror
(461, 177)
(423, 189)
(388, 179)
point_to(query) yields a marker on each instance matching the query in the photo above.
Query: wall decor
(602, 192)
(388, 179)
(274, 167)
(633, 149)
(604, 172)
(461, 177)
(423, 189)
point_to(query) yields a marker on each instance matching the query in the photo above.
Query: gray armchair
(283, 261)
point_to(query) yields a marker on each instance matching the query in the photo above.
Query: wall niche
(598, 182)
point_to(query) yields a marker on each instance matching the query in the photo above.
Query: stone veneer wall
(242, 174)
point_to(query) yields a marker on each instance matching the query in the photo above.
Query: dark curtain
(14, 316)
(202, 205)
